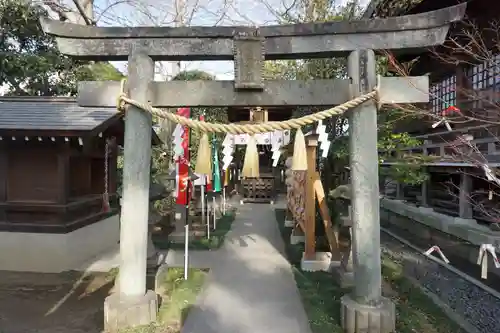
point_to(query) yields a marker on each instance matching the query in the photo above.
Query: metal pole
(202, 203)
(364, 179)
(224, 200)
(208, 218)
(213, 208)
(136, 179)
(186, 250)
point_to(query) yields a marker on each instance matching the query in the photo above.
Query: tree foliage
(30, 63)
(163, 156)
(410, 171)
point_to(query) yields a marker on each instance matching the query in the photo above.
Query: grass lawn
(416, 313)
(177, 297)
(202, 243)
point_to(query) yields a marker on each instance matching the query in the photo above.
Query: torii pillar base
(359, 318)
(122, 313)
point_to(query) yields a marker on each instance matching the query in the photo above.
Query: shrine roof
(51, 113)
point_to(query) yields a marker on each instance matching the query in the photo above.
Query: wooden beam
(331, 233)
(44, 228)
(310, 201)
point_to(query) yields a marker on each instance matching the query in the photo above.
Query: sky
(207, 13)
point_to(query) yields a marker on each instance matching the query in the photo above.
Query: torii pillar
(365, 310)
(134, 305)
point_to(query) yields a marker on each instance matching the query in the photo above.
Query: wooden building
(457, 185)
(58, 164)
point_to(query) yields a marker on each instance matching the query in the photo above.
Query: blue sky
(207, 13)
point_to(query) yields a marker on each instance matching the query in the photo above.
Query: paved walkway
(250, 287)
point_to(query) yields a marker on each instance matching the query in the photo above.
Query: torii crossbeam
(297, 41)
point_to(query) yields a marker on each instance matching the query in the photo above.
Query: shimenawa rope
(251, 129)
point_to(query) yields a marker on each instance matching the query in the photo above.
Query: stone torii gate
(365, 308)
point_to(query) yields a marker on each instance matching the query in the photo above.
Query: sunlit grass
(177, 298)
(320, 294)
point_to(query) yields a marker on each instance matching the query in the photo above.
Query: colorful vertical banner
(182, 163)
(209, 177)
(216, 184)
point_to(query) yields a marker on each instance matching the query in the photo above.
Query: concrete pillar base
(320, 262)
(296, 239)
(358, 318)
(289, 224)
(120, 313)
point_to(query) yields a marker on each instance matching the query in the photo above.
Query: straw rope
(251, 129)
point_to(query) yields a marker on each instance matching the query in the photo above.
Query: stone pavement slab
(251, 287)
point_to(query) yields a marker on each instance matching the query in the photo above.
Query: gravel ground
(475, 305)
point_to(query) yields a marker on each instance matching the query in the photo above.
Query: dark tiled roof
(50, 113)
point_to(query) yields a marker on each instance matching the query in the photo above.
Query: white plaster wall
(54, 253)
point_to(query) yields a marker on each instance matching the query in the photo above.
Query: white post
(224, 200)
(208, 218)
(213, 208)
(202, 203)
(136, 179)
(186, 250)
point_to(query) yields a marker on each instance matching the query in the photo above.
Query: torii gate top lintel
(280, 41)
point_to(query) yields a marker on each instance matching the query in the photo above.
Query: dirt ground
(53, 303)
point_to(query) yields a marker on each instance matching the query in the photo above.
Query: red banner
(183, 163)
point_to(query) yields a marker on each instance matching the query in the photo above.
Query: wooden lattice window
(443, 94)
(485, 82)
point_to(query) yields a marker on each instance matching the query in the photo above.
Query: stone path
(251, 287)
